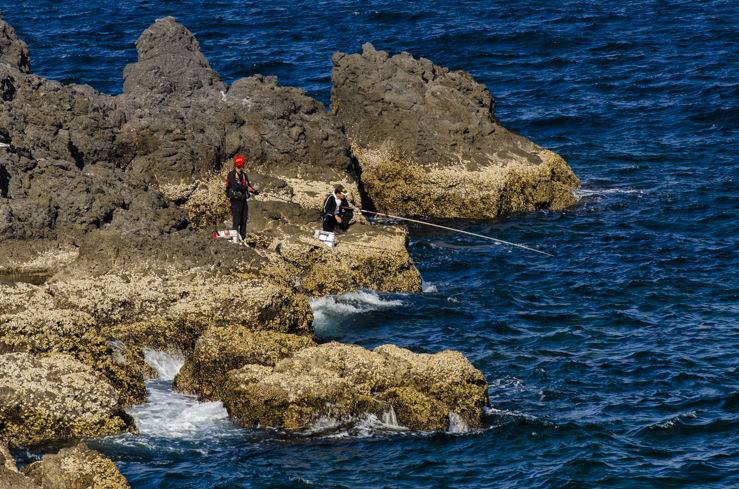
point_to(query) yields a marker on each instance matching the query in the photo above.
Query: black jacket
(237, 189)
(329, 207)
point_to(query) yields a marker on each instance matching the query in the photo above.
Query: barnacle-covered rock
(428, 142)
(344, 381)
(55, 398)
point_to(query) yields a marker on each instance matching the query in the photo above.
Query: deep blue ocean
(613, 364)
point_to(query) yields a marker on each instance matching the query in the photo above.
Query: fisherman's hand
(338, 218)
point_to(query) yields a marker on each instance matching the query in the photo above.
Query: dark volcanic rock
(171, 98)
(13, 51)
(170, 66)
(51, 120)
(183, 122)
(38, 198)
(423, 108)
(283, 131)
(428, 142)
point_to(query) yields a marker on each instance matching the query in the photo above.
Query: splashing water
(389, 418)
(428, 287)
(457, 424)
(168, 414)
(582, 193)
(364, 426)
(166, 364)
(330, 310)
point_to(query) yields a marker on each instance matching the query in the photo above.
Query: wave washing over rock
(329, 310)
(170, 415)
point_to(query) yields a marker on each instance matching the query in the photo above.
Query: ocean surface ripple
(613, 364)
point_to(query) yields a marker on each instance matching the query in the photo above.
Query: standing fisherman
(238, 190)
(336, 210)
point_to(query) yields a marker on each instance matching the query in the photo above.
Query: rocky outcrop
(282, 225)
(170, 66)
(78, 467)
(428, 142)
(66, 330)
(343, 382)
(170, 99)
(221, 349)
(10, 479)
(110, 302)
(13, 51)
(44, 197)
(367, 257)
(54, 121)
(111, 201)
(183, 122)
(284, 133)
(53, 398)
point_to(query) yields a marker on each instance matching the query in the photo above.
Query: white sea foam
(168, 414)
(327, 309)
(167, 364)
(669, 423)
(428, 287)
(364, 426)
(583, 192)
(457, 424)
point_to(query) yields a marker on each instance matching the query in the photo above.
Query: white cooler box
(327, 238)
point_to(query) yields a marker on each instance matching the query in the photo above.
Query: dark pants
(239, 215)
(330, 223)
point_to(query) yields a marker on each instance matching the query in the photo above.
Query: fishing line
(439, 226)
(496, 240)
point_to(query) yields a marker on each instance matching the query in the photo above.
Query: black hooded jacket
(329, 207)
(237, 190)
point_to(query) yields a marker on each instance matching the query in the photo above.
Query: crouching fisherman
(336, 211)
(238, 190)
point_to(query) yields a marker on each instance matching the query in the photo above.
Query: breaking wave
(168, 414)
(369, 425)
(354, 427)
(428, 287)
(364, 426)
(457, 424)
(582, 193)
(166, 364)
(171, 415)
(672, 422)
(328, 309)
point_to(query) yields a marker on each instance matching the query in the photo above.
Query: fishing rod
(447, 228)
(496, 240)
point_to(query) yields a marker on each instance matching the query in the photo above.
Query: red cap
(239, 161)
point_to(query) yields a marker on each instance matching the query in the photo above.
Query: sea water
(613, 364)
